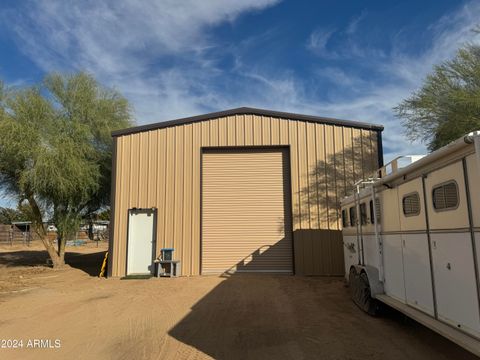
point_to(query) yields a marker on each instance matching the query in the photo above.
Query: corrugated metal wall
(161, 168)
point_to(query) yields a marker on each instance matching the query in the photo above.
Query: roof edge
(247, 111)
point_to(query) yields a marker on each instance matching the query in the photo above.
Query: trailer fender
(376, 286)
(364, 285)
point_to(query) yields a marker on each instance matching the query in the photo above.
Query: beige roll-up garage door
(246, 216)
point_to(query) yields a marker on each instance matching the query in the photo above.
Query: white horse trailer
(412, 241)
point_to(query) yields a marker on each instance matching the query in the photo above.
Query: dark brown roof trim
(248, 111)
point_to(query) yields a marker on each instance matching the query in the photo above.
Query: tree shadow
(24, 258)
(331, 179)
(89, 263)
(317, 224)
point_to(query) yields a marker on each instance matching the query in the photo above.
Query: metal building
(240, 190)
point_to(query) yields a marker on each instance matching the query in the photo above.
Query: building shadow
(267, 259)
(236, 319)
(252, 316)
(242, 316)
(318, 252)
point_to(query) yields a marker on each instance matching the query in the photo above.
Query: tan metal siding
(160, 181)
(169, 209)
(246, 223)
(321, 252)
(330, 178)
(266, 131)
(239, 130)
(294, 170)
(304, 206)
(195, 183)
(321, 171)
(161, 168)
(178, 192)
(311, 157)
(187, 191)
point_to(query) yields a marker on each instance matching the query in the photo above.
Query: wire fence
(12, 235)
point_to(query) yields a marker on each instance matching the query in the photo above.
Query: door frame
(288, 174)
(154, 210)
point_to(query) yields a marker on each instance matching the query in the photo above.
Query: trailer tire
(352, 278)
(361, 293)
(364, 296)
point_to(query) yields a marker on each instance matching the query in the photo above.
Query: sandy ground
(236, 317)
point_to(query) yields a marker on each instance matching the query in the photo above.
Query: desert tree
(56, 149)
(447, 106)
(9, 215)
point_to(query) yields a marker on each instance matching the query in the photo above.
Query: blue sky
(348, 59)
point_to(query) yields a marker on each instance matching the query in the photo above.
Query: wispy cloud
(387, 78)
(156, 52)
(166, 59)
(318, 42)
(353, 24)
(334, 44)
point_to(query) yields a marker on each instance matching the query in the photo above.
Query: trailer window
(411, 204)
(344, 218)
(445, 196)
(363, 213)
(353, 216)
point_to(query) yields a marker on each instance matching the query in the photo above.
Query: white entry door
(141, 241)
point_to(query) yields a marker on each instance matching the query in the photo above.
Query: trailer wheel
(364, 296)
(352, 278)
(352, 274)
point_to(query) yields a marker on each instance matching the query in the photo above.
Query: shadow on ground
(291, 317)
(90, 263)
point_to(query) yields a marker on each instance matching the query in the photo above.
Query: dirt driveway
(236, 317)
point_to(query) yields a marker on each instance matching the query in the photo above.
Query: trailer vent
(445, 196)
(411, 204)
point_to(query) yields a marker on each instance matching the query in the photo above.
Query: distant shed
(245, 190)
